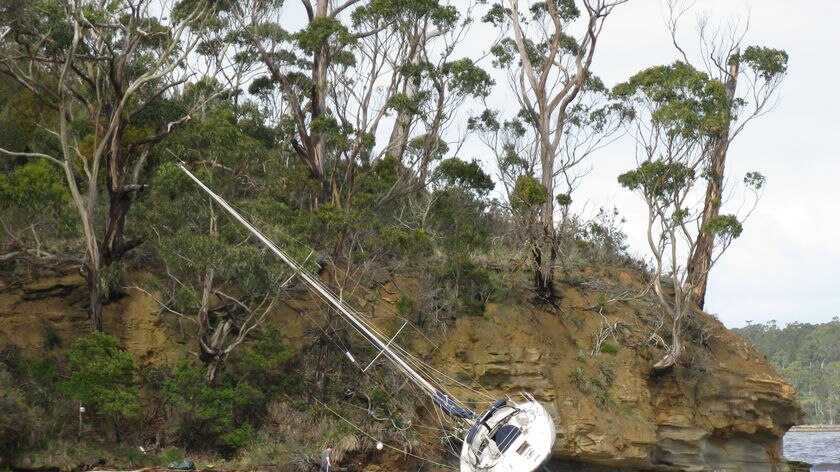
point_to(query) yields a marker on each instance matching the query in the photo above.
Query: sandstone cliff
(588, 359)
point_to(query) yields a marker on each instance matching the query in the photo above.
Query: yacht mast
(442, 399)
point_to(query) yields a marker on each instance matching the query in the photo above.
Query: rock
(726, 411)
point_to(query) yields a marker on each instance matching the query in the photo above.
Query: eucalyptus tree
(678, 111)
(336, 82)
(212, 278)
(109, 72)
(547, 49)
(752, 78)
(35, 208)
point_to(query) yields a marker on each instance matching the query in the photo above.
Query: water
(820, 449)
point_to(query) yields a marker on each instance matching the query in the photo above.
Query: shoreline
(815, 428)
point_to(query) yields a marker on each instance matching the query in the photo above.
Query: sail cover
(449, 406)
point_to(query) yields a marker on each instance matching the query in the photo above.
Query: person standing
(326, 459)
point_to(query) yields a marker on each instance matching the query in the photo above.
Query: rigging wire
(444, 423)
(414, 361)
(364, 327)
(403, 451)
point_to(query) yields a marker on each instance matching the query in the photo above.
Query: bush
(609, 348)
(472, 285)
(223, 414)
(167, 456)
(207, 415)
(578, 378)
(13, 419)
(266, 365)
(51, 338)
(102, 375)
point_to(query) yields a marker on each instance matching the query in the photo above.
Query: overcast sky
(784, 266)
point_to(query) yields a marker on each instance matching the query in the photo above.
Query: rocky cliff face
(722, 408)
(588, 360)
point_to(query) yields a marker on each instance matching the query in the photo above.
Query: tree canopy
(808, 356)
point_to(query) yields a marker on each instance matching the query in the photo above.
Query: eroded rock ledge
(721, 408)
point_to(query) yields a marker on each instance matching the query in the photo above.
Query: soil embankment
(589, 360)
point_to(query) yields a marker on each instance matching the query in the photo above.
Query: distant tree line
(808, 356)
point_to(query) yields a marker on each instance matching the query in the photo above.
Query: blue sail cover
(449, 406)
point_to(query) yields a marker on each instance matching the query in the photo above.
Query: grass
(578, 378)
(609, 348)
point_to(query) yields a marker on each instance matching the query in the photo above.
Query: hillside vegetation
(341, 130)
(808, 356)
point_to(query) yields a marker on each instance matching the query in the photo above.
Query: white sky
(784, 266)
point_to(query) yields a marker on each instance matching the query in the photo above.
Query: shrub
(471, 283)
(209, 415)
(51, 338)
(266, 365)
(578, 378)
(102, 375)
(167, 456)
(13, 418)
(609, 348)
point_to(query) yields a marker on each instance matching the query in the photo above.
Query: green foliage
(658, 180)
(454, 172)
(472, 284)
(563, 199)
(110, 278)
(208, 415)
(528, 193)
(402, 14)
(441, 226)
(503, 53)
(755, 180)
(405, 305)
(768, 63)
(35, 186)
(402, 103)
(468, 78)
(609, 348)
(238, 438)
(266, 364)
(458, 213)
(727, 227)
(323, 32)
(601, 386)
(496, 15)
(13, 424)
(52, 339)
(681, 99)
(223, 413)
(579, 380)
(167, 456)
(102, 375)
(808, 356)
(15, 418)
